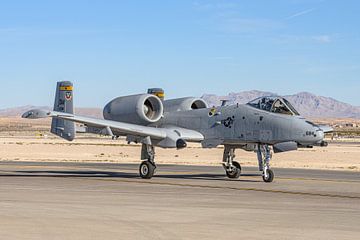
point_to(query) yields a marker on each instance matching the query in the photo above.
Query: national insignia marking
(228, 122)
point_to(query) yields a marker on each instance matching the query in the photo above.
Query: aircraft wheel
(235, 172)
(270, 176)
(146, 170)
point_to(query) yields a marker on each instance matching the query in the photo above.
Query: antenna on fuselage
(224, 102)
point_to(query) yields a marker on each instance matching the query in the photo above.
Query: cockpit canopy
(275, 105)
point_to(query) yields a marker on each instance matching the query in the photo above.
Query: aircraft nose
(320, 139)
(320, 134)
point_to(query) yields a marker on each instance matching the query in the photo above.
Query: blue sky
(188, 47)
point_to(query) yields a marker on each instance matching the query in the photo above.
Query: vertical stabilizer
(64, 103)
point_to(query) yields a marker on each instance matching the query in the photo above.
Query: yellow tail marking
(66, 88)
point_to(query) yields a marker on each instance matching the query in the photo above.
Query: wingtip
(35, 114)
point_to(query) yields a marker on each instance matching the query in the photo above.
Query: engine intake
(138, 109)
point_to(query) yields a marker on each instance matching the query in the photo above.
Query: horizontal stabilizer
(36, 114)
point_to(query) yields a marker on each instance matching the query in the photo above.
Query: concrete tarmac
(110, 201)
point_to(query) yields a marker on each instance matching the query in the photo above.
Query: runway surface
(110, 201)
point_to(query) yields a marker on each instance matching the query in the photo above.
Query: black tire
(146, 170)
(236, 172)
(270, 176)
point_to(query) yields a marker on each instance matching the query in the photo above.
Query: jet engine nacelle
(184, 104)
(141, 109)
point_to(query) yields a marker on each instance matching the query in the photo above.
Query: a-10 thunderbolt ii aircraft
(265, 125)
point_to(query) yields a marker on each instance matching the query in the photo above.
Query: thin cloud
(214, 6)
(289, 39)
(222, 58)
(243, 25)
(48, 31)
(7, 30)
(322, 38)
(302, 13)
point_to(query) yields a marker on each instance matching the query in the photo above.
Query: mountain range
(308, 104)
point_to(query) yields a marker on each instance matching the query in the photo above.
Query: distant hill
(308, 104)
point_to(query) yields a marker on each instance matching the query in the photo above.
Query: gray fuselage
(241, 124)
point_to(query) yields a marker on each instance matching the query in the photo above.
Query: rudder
(64, 103)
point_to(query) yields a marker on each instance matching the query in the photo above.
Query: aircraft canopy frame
(274, 104)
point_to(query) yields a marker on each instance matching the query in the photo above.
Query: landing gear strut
(264, 156)
(232, 168)
(147, 167)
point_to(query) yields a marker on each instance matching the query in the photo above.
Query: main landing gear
(232, 168)
(264, 156)
(147, 167)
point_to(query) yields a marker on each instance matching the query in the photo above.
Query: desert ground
(24, 140)
(70, 200)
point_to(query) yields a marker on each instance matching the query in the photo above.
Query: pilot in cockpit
(266, 104)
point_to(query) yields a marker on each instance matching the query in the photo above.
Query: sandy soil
(337, 156)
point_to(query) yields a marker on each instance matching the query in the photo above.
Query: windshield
(291, 107)
(274, 104)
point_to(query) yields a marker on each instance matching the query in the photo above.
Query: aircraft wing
(169, 133)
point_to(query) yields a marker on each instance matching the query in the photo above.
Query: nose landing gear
(268, 175)
(264, 156)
